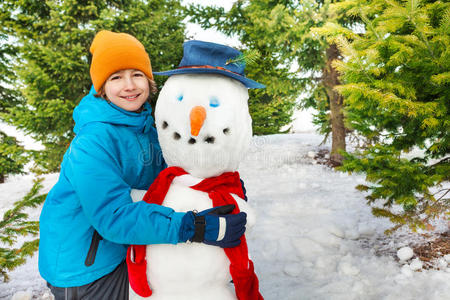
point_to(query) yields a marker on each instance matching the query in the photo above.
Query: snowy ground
(314, 239)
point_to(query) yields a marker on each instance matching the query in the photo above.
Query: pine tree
(12, 155)
(15, 224)
(53, 39)
(396, 84)
(8, 96)
(296, 60)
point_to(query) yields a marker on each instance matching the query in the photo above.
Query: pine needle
(245, 58)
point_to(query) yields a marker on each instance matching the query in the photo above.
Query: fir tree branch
(442, 161)
(13, 224)
(243, 59)
(441, 197)
(370, 25)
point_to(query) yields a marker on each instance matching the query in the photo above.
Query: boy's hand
(214, 226)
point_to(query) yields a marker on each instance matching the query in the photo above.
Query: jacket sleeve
(94, 171)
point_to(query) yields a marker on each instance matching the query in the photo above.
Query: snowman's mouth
(209, 139)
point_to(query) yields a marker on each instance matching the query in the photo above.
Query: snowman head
(202, 111)
(203, 123)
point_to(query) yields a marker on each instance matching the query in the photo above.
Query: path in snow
(311, 237)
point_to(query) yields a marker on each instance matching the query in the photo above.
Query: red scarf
(219, 189)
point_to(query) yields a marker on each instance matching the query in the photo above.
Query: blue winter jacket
(113, 151)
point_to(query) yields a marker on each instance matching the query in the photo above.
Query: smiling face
(203, 123)
(128, 89)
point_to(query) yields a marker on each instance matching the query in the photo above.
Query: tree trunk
(330, 80)
(2, 178)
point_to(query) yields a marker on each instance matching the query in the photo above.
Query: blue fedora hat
(204, 57)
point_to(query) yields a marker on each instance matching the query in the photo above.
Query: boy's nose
(129, 83)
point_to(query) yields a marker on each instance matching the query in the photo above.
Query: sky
(210, 35)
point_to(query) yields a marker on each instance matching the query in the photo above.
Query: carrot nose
(197, 116)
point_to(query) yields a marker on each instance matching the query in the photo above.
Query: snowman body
(196, 270)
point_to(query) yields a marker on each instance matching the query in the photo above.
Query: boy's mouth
(131, 97)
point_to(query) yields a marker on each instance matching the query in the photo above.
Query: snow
(416, 264)
(447, 258)
(302, 121)
(315, 238)
(22, 295)
(405, 253)
(442, 263)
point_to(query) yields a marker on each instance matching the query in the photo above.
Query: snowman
(204, 129)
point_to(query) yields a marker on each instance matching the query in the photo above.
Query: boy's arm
(96, 176)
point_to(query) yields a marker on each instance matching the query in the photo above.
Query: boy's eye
(180, 97)
(138, 74)
(115, 77)
(214, 102)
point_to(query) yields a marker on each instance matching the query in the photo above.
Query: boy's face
(128, 89)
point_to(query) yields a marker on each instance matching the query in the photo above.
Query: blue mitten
(214, 226)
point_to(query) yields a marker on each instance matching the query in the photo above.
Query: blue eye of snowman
(180, 97)
(214, 102)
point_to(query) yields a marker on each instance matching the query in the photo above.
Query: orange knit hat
(112, 52)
